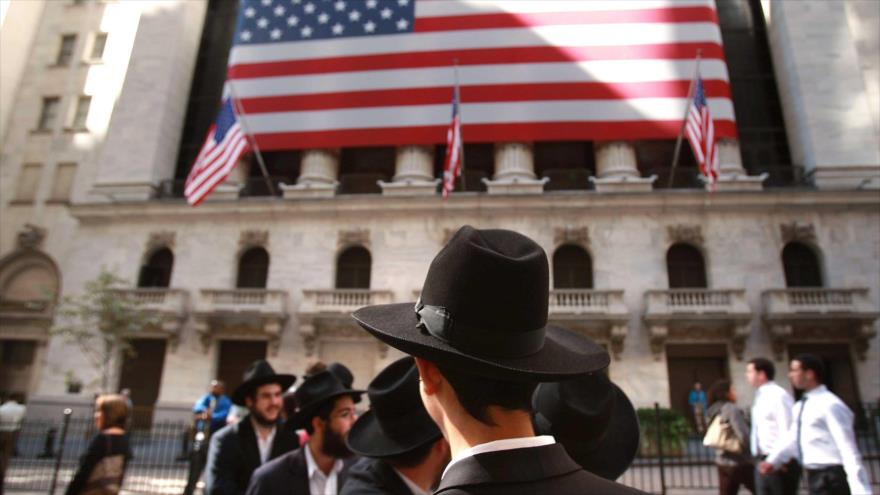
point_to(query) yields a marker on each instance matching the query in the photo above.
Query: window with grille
(685, 267)
(65, 51)
(156, 272)
(353, 269)
(48, 113)
(801, 266)
(253, 269)
(572, 268)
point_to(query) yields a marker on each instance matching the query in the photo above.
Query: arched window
(253, 269)
(28, 278)
(685, 266)
(801, 266)
(156, 272)
(353, 269)
(572, 268)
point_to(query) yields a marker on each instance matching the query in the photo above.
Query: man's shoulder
(367, 477)
(284, 466)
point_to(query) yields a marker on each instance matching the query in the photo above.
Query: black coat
(289, 475)
(233, 456)
(374, 477)
(526, 471)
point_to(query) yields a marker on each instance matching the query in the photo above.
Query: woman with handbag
(102, 467)
(728, 433)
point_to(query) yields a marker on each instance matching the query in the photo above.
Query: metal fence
(685, 464)
(160, 461)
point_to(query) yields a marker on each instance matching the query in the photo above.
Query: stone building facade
(679, 283)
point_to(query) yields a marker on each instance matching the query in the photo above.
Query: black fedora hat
(260, 373)
(314, 392)
(397, 421)
(593, 419)
(483, 309)
(342, 373)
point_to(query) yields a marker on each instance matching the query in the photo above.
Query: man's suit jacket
(233, 456)
(526, 471)
(374, 477)
(289, 475)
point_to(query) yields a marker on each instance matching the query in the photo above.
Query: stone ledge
(516, 185)
(409, 187)
(309, 190)
(624, 184)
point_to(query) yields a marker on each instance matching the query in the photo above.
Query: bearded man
(237, 450)
(320, 467)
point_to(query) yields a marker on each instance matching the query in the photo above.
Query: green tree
(101, 322)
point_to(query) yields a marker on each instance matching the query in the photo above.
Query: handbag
(720, 435)
(106, 476)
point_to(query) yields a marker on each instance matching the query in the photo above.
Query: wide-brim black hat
(593, 419)
(483, 310)
(397, 422)
(316, 391)
(260, 373)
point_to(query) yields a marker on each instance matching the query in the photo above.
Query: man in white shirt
(821, 436)
(771, 419)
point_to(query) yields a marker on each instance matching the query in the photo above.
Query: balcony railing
(817, 301)
(696, 302)
(257, 301)
(586, 301)
(342, 301)
(164, 300)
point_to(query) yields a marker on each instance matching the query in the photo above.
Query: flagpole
(687, 109)
(252, 140)
(460, 136)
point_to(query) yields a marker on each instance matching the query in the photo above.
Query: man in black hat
(326, 411)
(237, 450)
(404, 451)
(480, 337)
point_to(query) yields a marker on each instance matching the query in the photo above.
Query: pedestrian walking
(821, 436)
(697, 403)
(102, 468)
(771, 419)
(735, 465)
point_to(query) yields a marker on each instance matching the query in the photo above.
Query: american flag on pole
(701, 134)
(225, 144)
(454, 149)
(338, 73)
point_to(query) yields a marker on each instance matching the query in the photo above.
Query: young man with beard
(404, 451)
(237, 450)
(480, 337)
(326, 411)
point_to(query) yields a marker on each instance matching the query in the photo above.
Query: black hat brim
(304, 413)
(565, 354)
(613, 454)
(367, 439)
(245, 389)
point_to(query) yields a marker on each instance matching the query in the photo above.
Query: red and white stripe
(214, 162)
(528, 70)
(452, 165)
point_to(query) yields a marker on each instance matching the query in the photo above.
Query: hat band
(478, 341)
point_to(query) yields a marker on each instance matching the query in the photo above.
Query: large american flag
(700, 132)
(330, 73)
(225, 144)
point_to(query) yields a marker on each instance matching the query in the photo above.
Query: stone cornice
(685, 202)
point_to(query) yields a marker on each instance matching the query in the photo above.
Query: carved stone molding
(354, 237)
(573, 235)
(794, 231)
(692, 234)
(253, 238)
(161, 239)
(859, 334)
(31, 237)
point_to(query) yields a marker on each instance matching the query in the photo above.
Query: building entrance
(690, 363)
(142, 376)
(235, 357)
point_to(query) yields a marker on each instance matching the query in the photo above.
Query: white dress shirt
(11, 415)
(497, 445)
(826, 438)
(771, 417)
(320, 483)
(414, 488)
(264, 445)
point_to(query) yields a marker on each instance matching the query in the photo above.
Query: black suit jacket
(374, 477)
(289, 475)
(233, 456)
(527, 471)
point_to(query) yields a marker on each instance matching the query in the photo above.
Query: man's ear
(429, 375)
(317, 424)
(248, 402)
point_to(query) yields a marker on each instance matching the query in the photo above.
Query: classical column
(514, 170)
(733, 177)
(319, 170)
(413, 173)
(617, 168)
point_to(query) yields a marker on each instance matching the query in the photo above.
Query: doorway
(690, 363)
(235, 358)
(142, 376)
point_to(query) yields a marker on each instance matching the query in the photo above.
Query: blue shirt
(697, 397)
(221, 409)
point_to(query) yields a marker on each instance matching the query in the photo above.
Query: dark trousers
(782, 482)
(828, 481)
(730, 478)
